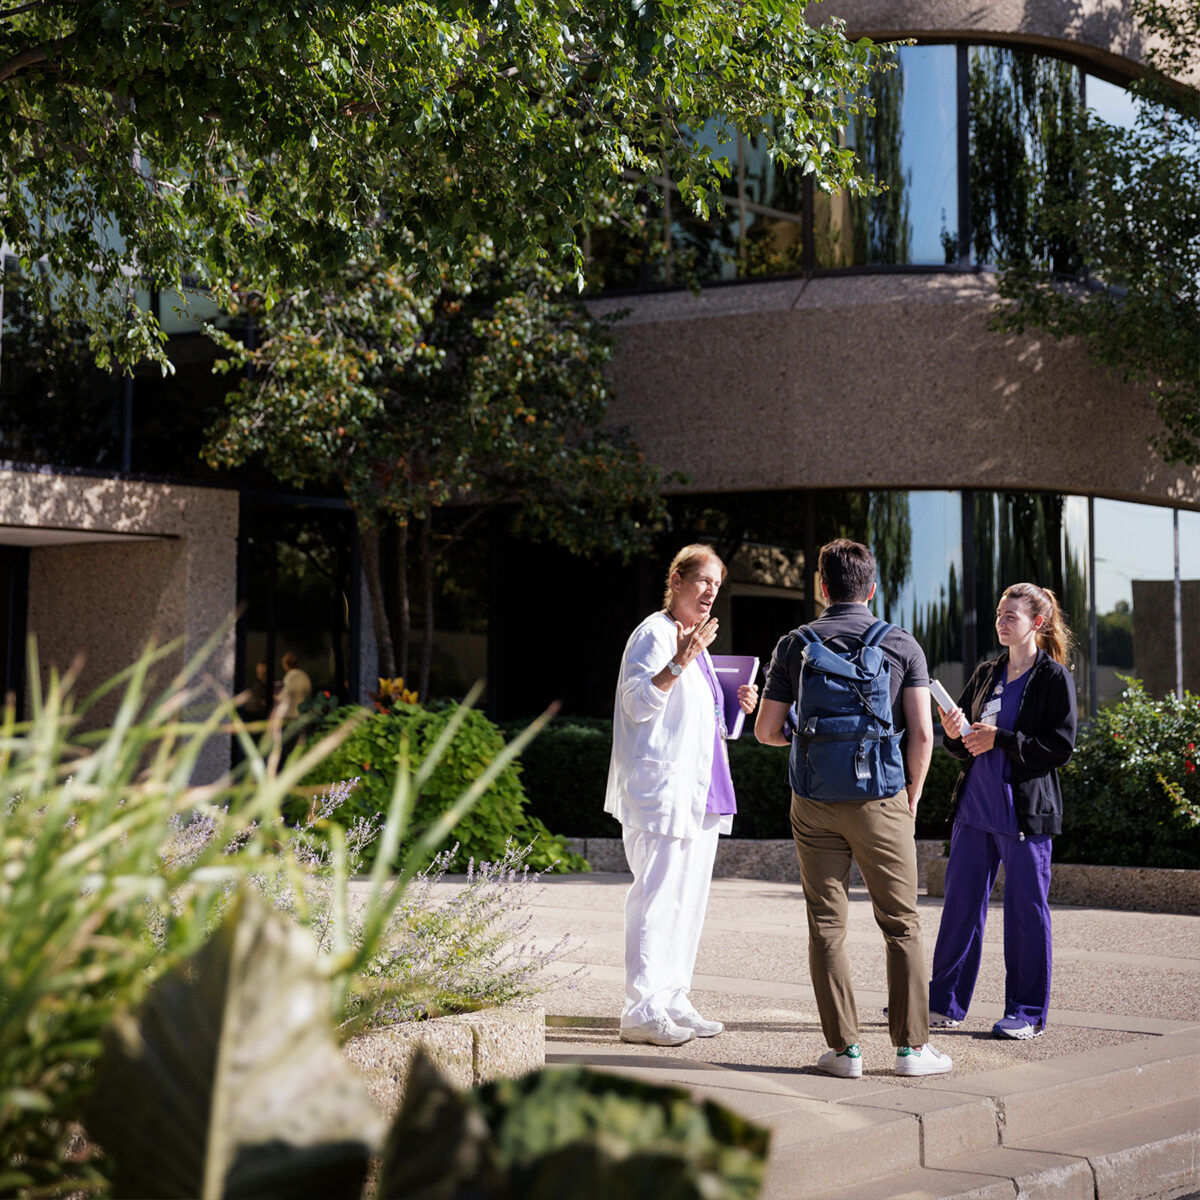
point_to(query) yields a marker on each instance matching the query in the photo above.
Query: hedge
(1131, 792)
(565, 770)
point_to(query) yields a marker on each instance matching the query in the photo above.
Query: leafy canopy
(489, 391)
(167, 140)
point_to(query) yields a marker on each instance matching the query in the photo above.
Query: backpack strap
(876, 633)
(808, 636)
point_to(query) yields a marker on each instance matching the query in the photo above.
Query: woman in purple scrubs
(1006, 807)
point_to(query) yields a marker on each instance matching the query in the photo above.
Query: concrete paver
(1060, 1115)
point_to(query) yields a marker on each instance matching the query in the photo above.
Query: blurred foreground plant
(116, 866)
(87, 826)
(256, 1101)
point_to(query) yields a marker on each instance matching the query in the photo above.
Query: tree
(424, 408)
(155, 142)
(1135, 219)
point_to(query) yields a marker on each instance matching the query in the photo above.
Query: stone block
(468, 1048)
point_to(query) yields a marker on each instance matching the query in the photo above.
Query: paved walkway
(1105, 1104)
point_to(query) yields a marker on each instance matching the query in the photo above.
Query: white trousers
(664, 913)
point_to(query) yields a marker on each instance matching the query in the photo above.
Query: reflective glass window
(910, 145)
(1189, 575)
(1135, 597)
(766, 183)
(1110, 102)
(703, 251)
(773, 245)
(930, 601)
(1022, 108)
(187, 311)
(1033, 537)
(297, 566)
(55, 406)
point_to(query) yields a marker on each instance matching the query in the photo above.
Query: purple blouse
(720, 789)
(987, 799)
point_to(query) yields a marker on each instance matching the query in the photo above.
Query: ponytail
(1053, 636)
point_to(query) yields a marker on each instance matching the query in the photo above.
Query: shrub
(566, 768)
(1131, 792)
(372, 754)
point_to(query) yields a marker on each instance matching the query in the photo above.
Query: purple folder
(732, 671)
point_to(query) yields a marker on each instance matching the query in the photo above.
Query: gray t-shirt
(905, 658)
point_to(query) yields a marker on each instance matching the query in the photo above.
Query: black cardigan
(1041, 740)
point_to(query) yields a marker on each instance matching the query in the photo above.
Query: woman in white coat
(669, 786)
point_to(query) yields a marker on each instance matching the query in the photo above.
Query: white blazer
(662, 749)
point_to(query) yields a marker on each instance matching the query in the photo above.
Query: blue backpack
(844, 744)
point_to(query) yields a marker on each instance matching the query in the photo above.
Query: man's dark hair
(847, 569)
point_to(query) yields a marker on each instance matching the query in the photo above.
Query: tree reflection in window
(1022, 109)
(56, 406)
(880, 226)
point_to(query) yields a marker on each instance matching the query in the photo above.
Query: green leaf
(229, 1081)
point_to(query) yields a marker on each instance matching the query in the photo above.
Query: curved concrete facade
(756, 385)
(1099, 31)
(114, 564)
(760, 386)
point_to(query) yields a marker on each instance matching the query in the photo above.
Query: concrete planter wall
(468, 1048)
(1137, 889)
(1141, 889)
(740, 858)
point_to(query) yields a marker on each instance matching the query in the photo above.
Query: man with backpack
(850, 696)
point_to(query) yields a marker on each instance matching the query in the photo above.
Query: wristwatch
(675, 668)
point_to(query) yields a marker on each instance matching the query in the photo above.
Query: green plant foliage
(1131, 792)
(426, 407)
(568, 1132)
(372, 754)
(172, 140)
(201, 1115)
(226, 1083)
(103, 883)
(565, 771)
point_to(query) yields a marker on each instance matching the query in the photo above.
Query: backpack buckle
(862, 768)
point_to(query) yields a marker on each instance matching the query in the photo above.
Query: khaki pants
(879, 834)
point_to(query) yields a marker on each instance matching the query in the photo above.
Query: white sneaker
(662, 1031)
(922, 1060)
(846, 1064)
(698, 1025)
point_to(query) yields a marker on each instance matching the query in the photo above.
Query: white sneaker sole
(1019, 1035)
(636, 1038)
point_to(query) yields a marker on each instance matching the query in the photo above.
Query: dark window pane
(297, 567)
(55, 406)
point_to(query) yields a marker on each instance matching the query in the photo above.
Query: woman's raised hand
(689, 643)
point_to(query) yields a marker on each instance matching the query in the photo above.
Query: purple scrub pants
(975, 857)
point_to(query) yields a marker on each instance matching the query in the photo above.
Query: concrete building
(835, 373)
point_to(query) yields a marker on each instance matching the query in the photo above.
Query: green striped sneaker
(847, 1064)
